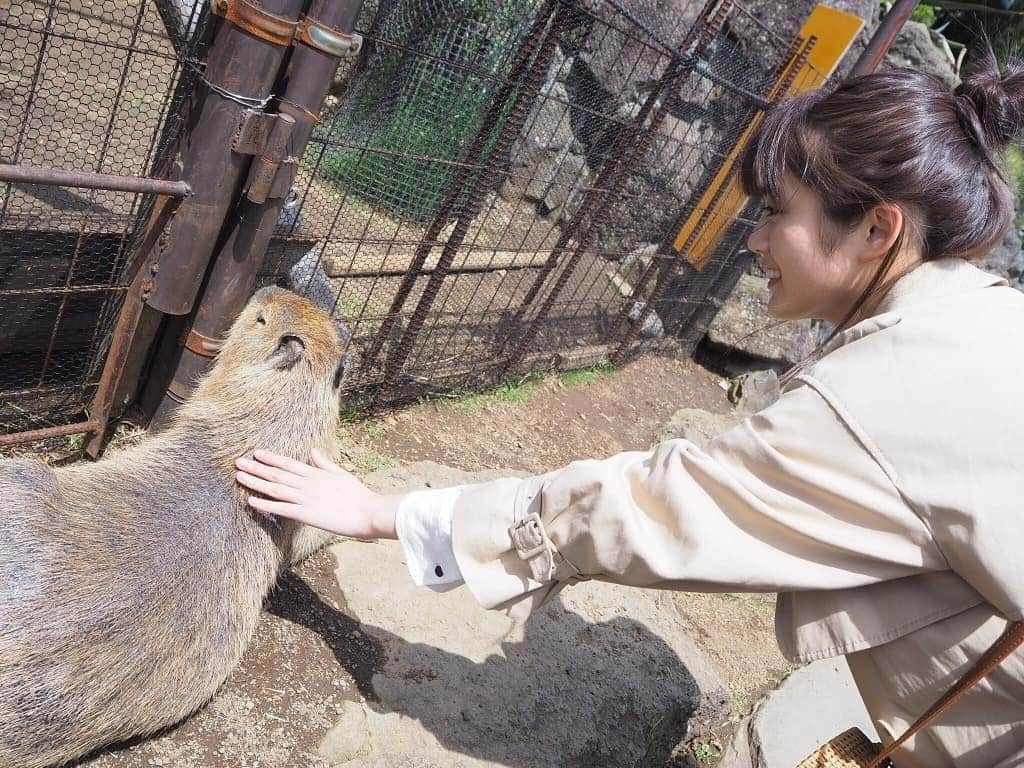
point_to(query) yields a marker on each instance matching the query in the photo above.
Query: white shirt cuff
(424, 527)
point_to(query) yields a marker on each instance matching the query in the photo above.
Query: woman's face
(805, 281)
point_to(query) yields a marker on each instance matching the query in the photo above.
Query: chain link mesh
(494, 189)
(465, 243)
(84, 86)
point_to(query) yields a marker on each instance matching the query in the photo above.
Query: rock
(635, 264)
(754, 391)
(349, 738)
(545, 166)
(814, 704)
(737, 751)
(599, 676)
(697, 426)
(652, 328)
(913, 48)
(1007, 259)
(400, 761)
(307, 277)
(744, 325)
(620, 55)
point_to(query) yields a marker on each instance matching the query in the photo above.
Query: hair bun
(997, 98)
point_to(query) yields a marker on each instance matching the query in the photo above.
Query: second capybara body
(130, 587)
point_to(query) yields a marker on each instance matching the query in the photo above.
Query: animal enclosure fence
(491, 187)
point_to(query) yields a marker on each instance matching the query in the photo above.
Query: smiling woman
(879, 495)
(863, 183)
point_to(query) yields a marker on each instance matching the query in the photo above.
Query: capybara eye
(261, 318)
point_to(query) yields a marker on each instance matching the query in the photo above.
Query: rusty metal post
(242, 66)
(321, 39)
(880, 42)
(457, 184)
(127, 323)
(624, 159)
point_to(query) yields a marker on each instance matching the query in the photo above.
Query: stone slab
(599, 676)
(814, 704)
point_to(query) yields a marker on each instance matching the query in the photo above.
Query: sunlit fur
(130, 587)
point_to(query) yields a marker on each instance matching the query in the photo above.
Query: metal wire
(488, 187)
(97, 88)
(398, 131)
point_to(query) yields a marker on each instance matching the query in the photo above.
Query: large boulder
(913, 48)
(1007, 259)
(697, 426)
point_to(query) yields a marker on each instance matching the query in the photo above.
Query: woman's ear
(881, 229)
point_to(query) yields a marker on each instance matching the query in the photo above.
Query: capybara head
(276, 380)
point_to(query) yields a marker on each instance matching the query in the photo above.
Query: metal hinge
(267, 137)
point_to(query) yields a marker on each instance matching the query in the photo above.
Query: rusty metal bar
(712, 18)
(18, 438)
(458, 181)
(245, 238)
(880, 42)
(239, 75)
(123, 334)
(25, 174)
(474, 199)
(486, 269)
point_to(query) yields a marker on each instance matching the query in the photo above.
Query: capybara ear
(290, 349)
(341, 372)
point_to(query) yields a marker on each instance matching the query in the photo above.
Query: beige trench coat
(882, 496)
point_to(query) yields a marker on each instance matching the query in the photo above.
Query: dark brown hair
(906, 138)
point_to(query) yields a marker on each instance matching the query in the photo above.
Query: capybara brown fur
(130, 587)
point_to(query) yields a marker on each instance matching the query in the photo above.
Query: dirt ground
(309, 656)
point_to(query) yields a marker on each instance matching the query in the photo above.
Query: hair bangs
(779, 145)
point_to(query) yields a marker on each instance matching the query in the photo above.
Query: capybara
(130, 587)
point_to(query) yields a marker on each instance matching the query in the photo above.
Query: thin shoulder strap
(992, 658)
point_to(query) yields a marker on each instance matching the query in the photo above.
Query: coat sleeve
(788, 500)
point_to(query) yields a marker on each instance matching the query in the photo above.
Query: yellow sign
(828, 34)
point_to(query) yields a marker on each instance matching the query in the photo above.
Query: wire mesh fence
(496, 187)
(84, 86)
(495, 183)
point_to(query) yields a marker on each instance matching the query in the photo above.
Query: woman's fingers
(283, 462)
(279, 508)
(269, 473)
(273, 490)
(323, 462)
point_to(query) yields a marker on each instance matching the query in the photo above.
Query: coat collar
(926, 282)
(934, 279)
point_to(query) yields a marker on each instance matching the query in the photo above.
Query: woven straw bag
(852, 749)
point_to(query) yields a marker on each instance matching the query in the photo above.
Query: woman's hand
(322, 495)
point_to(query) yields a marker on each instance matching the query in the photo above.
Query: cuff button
(438, 571)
